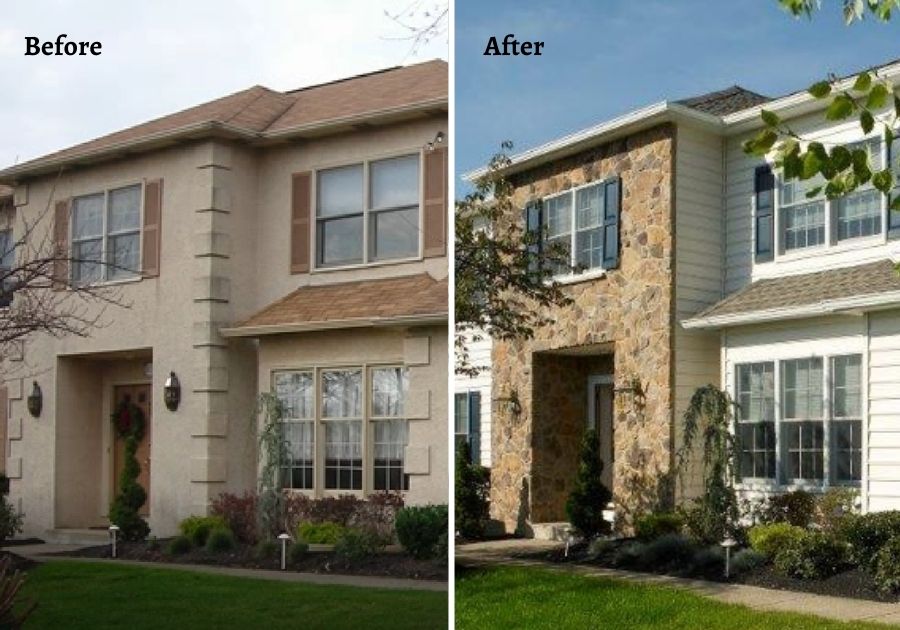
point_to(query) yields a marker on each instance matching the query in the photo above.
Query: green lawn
(81, 595)
(537, 598)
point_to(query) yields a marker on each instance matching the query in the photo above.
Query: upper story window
(106, 235)
(368, 212)
(584, 222)
(7, 260)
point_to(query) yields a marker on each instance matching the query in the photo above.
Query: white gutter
(868, 302)
(359, 322)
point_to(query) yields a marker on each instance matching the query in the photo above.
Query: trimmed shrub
(669, 550)
(629, 555)
(796, 508)
(220, 540)
(10, 520)
(600, 547)
(708, 561)
(814, 556)
(197, 528)
(239, 514)
(266, 549)
(747, 560)
(887, 566)
(320, 533)
(833, 508)
(707, 520)
(297, 551)
(867, 533)
(179, 545)
(472, 493)
(419, 529)
(769, 539)
(589, 497)
(656, 524)
(356, 544)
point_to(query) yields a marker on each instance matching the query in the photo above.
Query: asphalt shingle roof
(724, 102)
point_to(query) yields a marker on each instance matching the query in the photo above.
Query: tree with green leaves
(589, 498)
(472, 494)
(854, 10)
(504, 272)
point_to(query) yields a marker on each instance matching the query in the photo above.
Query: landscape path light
(284, 538)
(113, 535)
(727, 544)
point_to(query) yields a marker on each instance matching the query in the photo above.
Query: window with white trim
(342, 411)
(106, 235)
(368, 212)
(802, 423)
(859, 213)
(755, 396)
(390, 428)
(846, 418)
(296, 392)
(803, 219)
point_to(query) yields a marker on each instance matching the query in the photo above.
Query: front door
(600, 417)
(140, 396)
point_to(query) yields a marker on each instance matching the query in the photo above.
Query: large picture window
(106, 235)
(368, 212)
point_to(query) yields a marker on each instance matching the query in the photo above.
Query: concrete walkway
(514, 552)
(39, 553)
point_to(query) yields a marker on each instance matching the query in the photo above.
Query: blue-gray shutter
(533, 223)
(475, 426)
(612, 192)
(893, 215)
(764, 221)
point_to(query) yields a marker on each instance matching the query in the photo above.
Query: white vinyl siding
(480, 355)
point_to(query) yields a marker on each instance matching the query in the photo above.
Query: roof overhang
(855, 305)
(335, 324)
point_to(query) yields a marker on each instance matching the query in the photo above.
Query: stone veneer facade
(620, 323)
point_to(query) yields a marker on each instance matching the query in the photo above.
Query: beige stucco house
(286, 242)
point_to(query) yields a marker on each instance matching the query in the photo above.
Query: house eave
(335, 324)
(846, 306)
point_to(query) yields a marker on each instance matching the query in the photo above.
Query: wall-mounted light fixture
(438, 141)
(511, 404)
(172, 392)
(631, 389)
(35, 400)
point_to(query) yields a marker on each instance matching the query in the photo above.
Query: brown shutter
(4, 418)
(301, 201)
(153, 190)
(61, 245)
(435, 211)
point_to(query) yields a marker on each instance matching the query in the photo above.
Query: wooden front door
(600, 417)
(140, 396)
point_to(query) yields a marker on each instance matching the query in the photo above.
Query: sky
(605, 58)
(163, 56)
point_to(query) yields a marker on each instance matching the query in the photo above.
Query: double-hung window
(7, 260)
(859, 213)
(894, 161)
(802, 422)
(342, 408)
(467, 421)
(106, 235)
(756, 420)
(803, 219)
(846, 418)
(390, 428)
(368, 212)
(558, 227)
(296, 392)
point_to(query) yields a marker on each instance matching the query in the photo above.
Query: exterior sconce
(172, 392)
(511, 404)
(438, 140)
(35, 400)
(631, 389)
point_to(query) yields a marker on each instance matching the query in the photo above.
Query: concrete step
(77, 536)
(559, 532)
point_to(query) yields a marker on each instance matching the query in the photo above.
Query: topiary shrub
(129, 423)
(220, 540)
(887, 566)
(320, 533)
(10, 520)
(747, 560)
(589, 497)
(656, 524)
(768, 539)
(179, 545)
(867, 533)
(419, 529)
(814, 556)
(357, 544)
(197, 528)
(796, 507)
(297, 551)
(472, 492)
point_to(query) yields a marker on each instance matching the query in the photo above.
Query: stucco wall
(628, 312)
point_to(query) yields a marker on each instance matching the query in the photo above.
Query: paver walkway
(512, 552)
(39, 553)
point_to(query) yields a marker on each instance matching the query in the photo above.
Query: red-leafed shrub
(239, 513)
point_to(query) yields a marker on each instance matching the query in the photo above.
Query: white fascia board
(626, 124)
(826, 307)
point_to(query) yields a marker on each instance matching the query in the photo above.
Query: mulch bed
(396, 565)
(853, 583)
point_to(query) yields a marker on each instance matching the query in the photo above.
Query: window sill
(107, 283)
(369, 265)
(587, 276)
(764, 485)
(847, 245)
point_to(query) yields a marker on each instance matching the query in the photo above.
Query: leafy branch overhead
(842, 168)
(853, 10)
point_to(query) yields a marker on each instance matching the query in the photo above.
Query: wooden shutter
(764, 220)
(150, 257)
(435, 199)
(612, 208)
(475, 426)
(301, 202)
(61, 244)
(533, 224)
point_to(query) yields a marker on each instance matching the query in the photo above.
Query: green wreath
(128, 420)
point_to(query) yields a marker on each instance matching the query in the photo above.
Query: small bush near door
(10, 520)
(420, 529)
(589, 497)
(472, 492)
